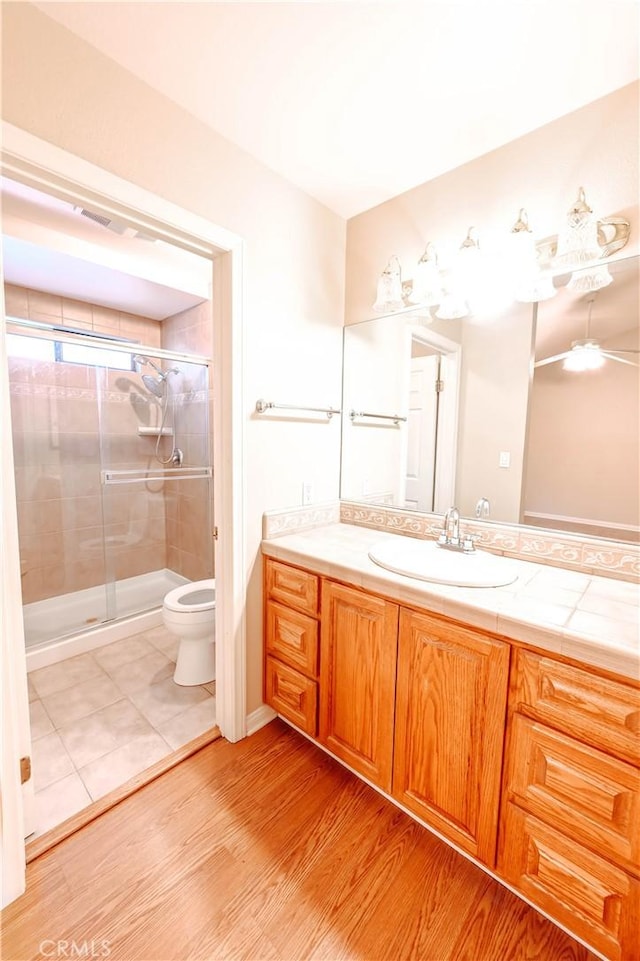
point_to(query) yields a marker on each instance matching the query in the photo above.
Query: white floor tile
(191, 723)
(50, 761)
(41, 723)
(85, 698)
(65, 674)
(121, 652)
(164, 641)
(103, 731)
(114, 769)
(59, 801)
(162, 701)
(143, 672)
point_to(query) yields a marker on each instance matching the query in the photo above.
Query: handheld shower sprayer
(156, 384)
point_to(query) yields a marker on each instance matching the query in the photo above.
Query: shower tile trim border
(590, 555)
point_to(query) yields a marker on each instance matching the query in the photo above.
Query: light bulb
(586, 356)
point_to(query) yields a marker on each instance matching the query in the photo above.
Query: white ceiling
(356, 102)
(48, 244)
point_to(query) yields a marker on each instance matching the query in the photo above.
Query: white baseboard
(258, 718)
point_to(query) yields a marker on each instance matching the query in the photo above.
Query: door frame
(41, 165)
(447, 427)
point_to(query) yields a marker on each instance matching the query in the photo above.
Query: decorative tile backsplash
(573, 551)
(277, 523)
(591, 555)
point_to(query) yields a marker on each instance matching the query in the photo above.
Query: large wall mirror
(484, 413)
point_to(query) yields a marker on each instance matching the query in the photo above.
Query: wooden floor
(268, 849)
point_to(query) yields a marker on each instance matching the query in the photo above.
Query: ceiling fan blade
(551, 360)
(621, 360)
(621, 350)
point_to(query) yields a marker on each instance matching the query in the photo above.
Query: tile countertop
(595, 620)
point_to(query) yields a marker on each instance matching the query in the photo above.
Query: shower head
(155, 384)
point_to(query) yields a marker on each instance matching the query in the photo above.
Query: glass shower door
(156, 480)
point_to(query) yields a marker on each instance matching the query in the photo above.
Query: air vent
(115, 226)
(97, 217)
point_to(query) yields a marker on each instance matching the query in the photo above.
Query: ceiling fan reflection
(587, 353)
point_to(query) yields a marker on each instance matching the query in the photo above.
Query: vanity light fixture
(389, 291)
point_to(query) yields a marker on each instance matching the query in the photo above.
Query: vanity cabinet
(570, 834)
(419, 705)
(449, 730)
(357, 679)
(291, 643)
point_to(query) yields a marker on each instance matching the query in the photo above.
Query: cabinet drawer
(293, 637)
(595, 900)
(595, 710)
(293, 587)
(588, 795)
(291, 694)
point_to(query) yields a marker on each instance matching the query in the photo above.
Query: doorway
(35, 163)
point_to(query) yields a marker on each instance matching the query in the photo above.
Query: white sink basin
(427, 561)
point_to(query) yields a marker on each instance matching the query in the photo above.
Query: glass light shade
(468, 267)
(578, 242)
(534, 288)
(588, 281)
(585, 356)
(452, 307)
(389, 290)
(427, 286)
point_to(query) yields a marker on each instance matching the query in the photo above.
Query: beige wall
(62, 90)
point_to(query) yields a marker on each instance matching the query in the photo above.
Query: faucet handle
(469, 543)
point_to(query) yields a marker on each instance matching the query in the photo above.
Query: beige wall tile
(16, 301)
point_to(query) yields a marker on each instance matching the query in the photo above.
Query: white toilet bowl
(188, 612)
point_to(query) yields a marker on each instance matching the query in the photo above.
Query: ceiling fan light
(583, 357)
(588, 281)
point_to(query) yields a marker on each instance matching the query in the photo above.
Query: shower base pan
(60, 627)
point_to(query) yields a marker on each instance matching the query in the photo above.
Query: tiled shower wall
(57, 435)
(189, 548)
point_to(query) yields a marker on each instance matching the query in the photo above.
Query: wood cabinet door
(582, 792)
(596, 710)
(358, 651)
(292, 695)
(591, 897)
(450, 720)
(292, 637)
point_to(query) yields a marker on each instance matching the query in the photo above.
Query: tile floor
(100, 718)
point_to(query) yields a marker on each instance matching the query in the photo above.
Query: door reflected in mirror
(491, 416)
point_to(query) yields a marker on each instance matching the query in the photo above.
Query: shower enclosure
(113, 476)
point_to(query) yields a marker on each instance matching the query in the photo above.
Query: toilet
(188, 612)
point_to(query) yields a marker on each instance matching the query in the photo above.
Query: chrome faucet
(483, 507)
(450, 534)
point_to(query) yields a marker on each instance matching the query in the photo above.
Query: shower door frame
(41, 165)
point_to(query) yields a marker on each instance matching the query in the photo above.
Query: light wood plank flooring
(268, 849)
